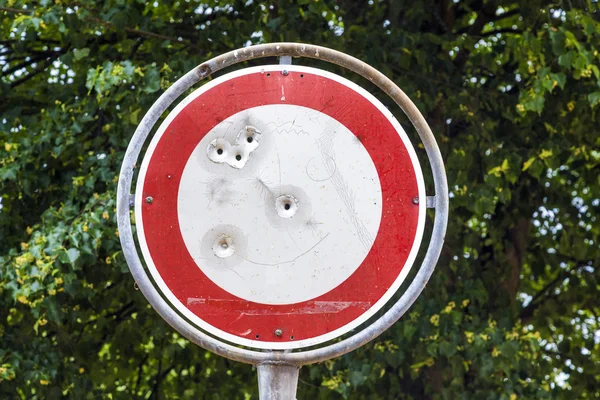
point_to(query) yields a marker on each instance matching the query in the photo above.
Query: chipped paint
(235, 155)
(220, 306)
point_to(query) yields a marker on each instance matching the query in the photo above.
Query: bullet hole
(223, 246)
(235, 154)
(257, 336)
(301, 75)
(292, 337)
(268, 74)
(286, 206)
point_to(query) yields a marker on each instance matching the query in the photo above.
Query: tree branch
(139, 375)
(15, 10)
(503, 30)
(507, 14)
(35, 72)
(135, 31)
(488, 18)
(540, 297)
(515, 254)
(22, 65)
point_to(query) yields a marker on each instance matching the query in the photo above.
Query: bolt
(285, 72)
(278, 332)
(416, 200)
(204, 70)
(224, 245)
(149, 199)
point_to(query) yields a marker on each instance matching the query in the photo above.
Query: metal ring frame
(278, 357)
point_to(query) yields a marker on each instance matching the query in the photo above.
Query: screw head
(278, 332)
(149, 199)
(285, 72)
(415, 200)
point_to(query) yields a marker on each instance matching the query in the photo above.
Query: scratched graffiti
(327, 150)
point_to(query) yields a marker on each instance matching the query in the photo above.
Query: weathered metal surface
(277, 381)
(285, 60)
(304, 357)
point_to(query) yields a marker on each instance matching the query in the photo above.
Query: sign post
(278, 208)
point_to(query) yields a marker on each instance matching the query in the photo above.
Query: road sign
(279, 207)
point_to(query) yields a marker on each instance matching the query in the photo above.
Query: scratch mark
(312, 224)
(291, 237)
(231, 123)
(217, 189)
(237, 319)
(217, 306)
(286, 262)
(279, 162)
(330, 173)
(279, 128)
(325, 145)
(220, 264)
(263, 186)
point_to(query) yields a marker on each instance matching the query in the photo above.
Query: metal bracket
(285, 60)
(430, 201)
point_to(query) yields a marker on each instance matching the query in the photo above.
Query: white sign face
(301, 153)
(279, 210)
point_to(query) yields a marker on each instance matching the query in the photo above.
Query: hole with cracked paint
(223, 246)
(286, 206)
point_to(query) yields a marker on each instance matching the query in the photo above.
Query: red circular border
(323, 314)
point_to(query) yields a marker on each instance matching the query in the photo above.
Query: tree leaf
(73, 255)
(594, 98)
(81, 53)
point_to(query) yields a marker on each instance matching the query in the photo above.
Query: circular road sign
(279, 207)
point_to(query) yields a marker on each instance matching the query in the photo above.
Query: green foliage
(511, 90)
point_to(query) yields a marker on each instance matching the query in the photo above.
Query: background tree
(511, 90)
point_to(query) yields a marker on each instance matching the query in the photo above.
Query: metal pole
(277, 381)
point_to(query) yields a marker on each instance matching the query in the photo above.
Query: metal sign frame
(278, 370)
